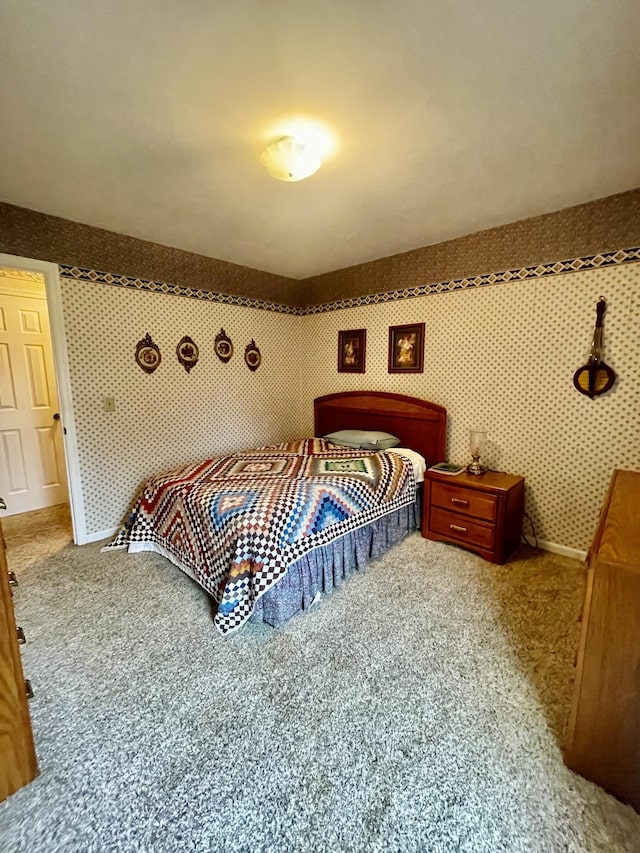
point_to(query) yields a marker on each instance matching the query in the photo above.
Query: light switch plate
(109, 404)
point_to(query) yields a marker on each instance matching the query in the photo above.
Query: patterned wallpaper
(502, 357)
(30, 234)
(169, 417)
(604, 225)
(499, 356)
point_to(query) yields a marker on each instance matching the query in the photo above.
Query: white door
(32, 465)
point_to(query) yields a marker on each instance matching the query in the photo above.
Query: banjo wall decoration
(595, 377)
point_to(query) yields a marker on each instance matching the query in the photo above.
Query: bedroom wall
(170, 417)
(502, 357)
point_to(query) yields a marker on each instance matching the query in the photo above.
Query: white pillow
(417, 460)
(362, 439)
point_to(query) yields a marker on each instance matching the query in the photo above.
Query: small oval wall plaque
(148, 354)
(223, 346)
(252, 356)
(188, 353)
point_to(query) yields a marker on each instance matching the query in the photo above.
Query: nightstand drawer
(462, 529)
(467, 501)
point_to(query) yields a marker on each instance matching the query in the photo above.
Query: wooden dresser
(603, 736)
(480, 512)
(17, 754)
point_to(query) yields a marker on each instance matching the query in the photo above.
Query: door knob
(56, 417)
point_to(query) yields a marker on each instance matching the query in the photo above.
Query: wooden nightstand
(482, 512)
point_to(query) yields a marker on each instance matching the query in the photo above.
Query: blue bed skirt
(327, 567)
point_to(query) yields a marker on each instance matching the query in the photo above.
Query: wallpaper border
(97, 277)
(603, 259)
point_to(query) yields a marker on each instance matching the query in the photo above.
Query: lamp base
(475, 467)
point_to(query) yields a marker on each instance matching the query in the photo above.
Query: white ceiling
(147, 117)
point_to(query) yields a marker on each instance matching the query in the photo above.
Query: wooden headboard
(420, 425)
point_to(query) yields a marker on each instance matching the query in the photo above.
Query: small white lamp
(289, 159)
(478, 440)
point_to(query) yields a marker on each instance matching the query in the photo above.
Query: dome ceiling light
(289, 159)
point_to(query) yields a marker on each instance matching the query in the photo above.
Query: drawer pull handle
(13, 580)
(459, 502)
(458, 528)
(20, 634)
(28, 689)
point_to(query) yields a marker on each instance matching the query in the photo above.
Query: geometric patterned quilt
(237, 522)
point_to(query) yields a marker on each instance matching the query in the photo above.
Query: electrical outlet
(109, 404)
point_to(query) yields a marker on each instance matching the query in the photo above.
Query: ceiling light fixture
(289, 159)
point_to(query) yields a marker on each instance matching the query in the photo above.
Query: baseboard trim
(102, 534)
(554, 548)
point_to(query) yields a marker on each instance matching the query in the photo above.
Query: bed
(266, 531)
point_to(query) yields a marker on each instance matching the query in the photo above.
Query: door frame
(53, 290)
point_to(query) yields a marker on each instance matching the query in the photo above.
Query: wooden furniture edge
(20, 764)
(584, 621)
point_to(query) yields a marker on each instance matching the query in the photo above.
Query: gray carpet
(420, 708)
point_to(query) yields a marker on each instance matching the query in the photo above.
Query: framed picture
(406, 348)
(351, 350)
